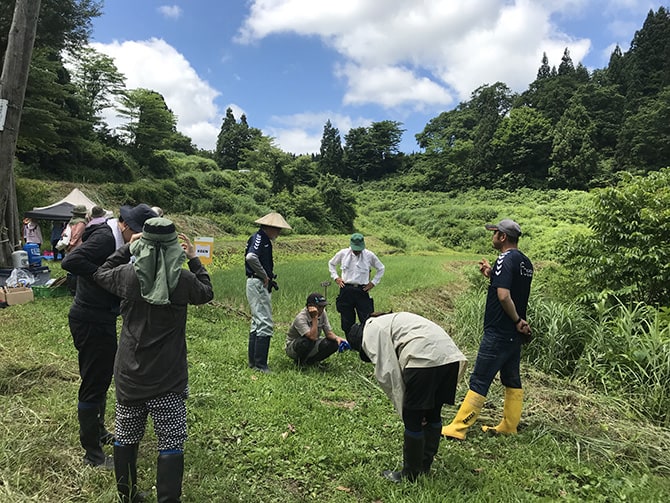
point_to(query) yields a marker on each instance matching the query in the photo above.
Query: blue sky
(290, 65)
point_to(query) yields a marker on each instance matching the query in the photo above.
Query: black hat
(135, 216)
(316, 299)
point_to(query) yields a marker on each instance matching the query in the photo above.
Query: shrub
(628, 252)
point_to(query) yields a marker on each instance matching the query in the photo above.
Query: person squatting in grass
(355, 262)
(151, 370)
(303, 342)
(418, 366)
(259, 268)
(505, 330)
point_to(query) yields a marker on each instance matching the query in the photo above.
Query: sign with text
(204, 249)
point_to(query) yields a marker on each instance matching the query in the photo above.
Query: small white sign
(3, 113)
(204, 248)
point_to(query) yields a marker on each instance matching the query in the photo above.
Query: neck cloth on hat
(158, 260)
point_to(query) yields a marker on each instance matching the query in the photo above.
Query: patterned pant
(168, 413)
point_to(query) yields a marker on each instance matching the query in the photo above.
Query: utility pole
(13, 82)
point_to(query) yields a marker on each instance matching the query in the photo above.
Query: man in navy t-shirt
(505, 330)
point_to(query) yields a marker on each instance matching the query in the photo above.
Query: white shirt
(356, 268)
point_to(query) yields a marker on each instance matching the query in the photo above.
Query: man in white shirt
(356, 264)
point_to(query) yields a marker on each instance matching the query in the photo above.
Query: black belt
(255, 276)
(354, 285)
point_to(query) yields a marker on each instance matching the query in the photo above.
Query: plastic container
(34, 254)
(19, 259)
(48, 292)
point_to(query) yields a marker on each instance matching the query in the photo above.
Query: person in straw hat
(259, 267)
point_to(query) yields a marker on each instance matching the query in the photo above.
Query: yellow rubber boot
(511, 413)
(465, 417)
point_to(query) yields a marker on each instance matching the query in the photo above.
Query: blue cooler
(34, 254)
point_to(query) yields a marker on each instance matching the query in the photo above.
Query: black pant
(353, 300)
(96, 344)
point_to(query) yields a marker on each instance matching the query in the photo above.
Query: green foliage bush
(31, 194)
(628, 252)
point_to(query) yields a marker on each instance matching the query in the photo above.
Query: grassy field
(320, 434)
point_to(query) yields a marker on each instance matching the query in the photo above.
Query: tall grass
(629, 353)
(624, 350)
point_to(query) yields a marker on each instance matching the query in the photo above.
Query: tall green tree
(644, 142)
(234, 137)
(544, 72)
(332, 153)
(490, 103)
(341, 203)
(372, 152)
(150, 124)
(97, 80)
(442, 132)
(648, 60)
(62, 24)
(573, 156)
(522, 146)
(265, 157)
(56, 133)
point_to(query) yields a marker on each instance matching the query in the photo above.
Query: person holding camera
(304, 344)
(505, 330)
(151, 366)
(259, 268)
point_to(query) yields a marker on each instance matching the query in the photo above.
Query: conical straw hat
(273, 220)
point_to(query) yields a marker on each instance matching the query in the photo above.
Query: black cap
(316, 299)
(135, 216)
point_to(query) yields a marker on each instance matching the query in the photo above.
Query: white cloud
(301, 133)
(423, 48)
(170, 11)
(392, 87)
(154, 64)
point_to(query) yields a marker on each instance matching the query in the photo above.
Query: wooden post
(13, 82)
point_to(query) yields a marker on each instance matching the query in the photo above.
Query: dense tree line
(570, 128)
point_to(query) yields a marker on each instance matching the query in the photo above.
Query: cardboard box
(2, 294)
(18, 295)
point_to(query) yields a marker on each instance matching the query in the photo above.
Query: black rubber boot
(261, 354)
(89, 436)
(432, 436)
(106, 438)
(412, 454)
(169, 473)
(252, 349)
(125, 472)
